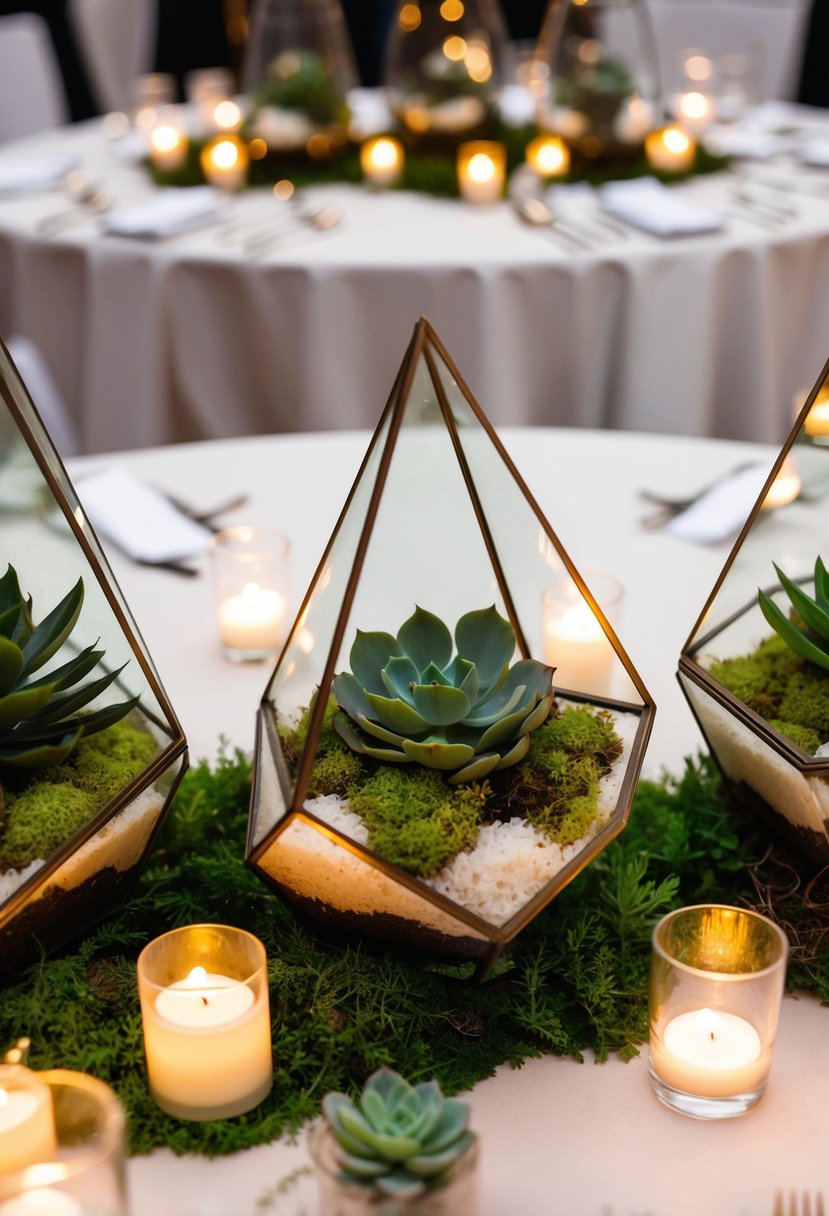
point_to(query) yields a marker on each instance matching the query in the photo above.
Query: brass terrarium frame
(18, 940)
(697, 683)
(279, 799)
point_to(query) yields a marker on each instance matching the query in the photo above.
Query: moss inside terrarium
(791, 693)
(41, 811)
(420, 822)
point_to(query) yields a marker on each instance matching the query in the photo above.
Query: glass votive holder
(382, 159)
(168, 139)
(205, 89)
(251, 575)
(206, 1019)
(27, 1125)
(573, 639)
(482, 169)
(225, 161)
(717, 976)
(81, 1171)
(150, 94)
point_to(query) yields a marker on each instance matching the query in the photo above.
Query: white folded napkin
(815, 152)
(19, 174)
(656, 208)
(138, 519)
(168, 212)
(720, 513)
(746, 144)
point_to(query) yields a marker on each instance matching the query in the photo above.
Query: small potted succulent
(401, 1150)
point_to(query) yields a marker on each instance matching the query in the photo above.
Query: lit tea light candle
(785, 488)
(41, 1203)
(227, 115)
(207, 1036)
(252, 620)
(817, 420)
(381, 160)
(671, 150)
(548, 155)
(695, 111)
(574, 641)
(224, 162)
(168, 146)
(710, 1053)
(482, 166)
(27, 1127)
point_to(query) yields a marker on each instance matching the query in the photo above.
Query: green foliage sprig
(577, 980)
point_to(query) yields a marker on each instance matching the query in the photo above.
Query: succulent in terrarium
(808, 633)
(41, 720)
(401, 1139)
(406, 699)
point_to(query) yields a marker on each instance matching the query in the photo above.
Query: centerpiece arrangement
(418, 778)
(755, 669)
(89, 747)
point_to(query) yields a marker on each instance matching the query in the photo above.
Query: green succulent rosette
(400, 1140)
(408, 700)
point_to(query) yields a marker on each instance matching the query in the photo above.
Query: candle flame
(196, 978)
(708, 1022)
(4, 1098)
(694, 105)
(384, 154)
(481, 168)
(225, 154)
(227, 115)
(675, 140)
(165, 139)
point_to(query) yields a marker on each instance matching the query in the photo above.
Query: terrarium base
(807, 840)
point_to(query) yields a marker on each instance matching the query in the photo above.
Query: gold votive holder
(225, 161)
(482, 169)
(717, 977)
(548, 156)
(80, 1170)
(382, 159)
(251, 576)
(206, 1018)
(671, 150)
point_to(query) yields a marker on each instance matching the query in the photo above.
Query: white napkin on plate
(21, 174)
(720, 513)
(138, 519)
(658, 209)
(167, 213)
(746, 143)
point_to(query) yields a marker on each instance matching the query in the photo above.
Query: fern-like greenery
(576, 978)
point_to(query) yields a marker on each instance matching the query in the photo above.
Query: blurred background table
(184, 338)
(559, 1137)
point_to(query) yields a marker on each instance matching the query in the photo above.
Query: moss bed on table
(577, 977)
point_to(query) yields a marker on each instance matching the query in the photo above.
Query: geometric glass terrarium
(755, 669)
(417, 782)
(90, 749)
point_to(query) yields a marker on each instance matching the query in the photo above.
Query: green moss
(801, 736)
(43, 818)
(335, 772)
(791, 693)
(581, 731)
(45, 812)
(415, 819)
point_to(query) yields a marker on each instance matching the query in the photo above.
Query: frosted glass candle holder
(76, 1168)
(251, 571)
(206, 1019)
(717, 976)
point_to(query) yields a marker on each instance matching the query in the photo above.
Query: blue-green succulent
(41, 719)
(809, 637)
(401, 1139)
(407, 699)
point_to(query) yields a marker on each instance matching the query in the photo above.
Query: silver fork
(808, 1205)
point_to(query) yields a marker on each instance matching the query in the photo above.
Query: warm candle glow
(671, 150)
(253, 620)
(224, 162)
(227, 116)
(168, 147)
(27, 1128)
(41, 1203)
(695, 111)
(381, 160)
(817, 420)
(482, 168)
(549, 156)
(785, 488)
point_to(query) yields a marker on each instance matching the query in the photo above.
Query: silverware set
(574, 235)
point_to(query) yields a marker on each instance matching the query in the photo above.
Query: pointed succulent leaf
(489, 690)
(398, 675)
(516, 753)
(400, 1185)
(450, 1126)
(487, 640)
(8, 620)
(394, 1090)
(477, 769)
(425, 639)
(439, 704)
(356, 1125)
(395, 1148)
(811, 613)
(471, 682)
(332, 1104)
(369, 655)
(427, 1165)
(10, 594)
(349, 695)
(435, 754)
(347, 733)
(25, 625)
(49, 635)
(821, 584)
(364, 1167)
(539, 715)
(387, 754)
(60, 707)
(432, 674)
(374, 1109)
(506, 728)
(789, 632)
(11, 665)
(16, 707)
(40, 755)
(506, 702)
(396, 715)
(379, 732)
(529, 672)
(69, 673)
(100, 719)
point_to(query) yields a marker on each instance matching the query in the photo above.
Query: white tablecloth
(559, 1138)
(184, 338)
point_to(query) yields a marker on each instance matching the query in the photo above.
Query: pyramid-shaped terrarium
(755, 669)
(90, 749)
(422, 776)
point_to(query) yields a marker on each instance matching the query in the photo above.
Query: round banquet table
(559, 1137)
(186, 338)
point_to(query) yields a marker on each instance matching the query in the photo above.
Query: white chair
(32, 97)
(116, 39)
(54, 413)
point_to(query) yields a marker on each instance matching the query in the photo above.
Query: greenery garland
(577, 977)
(426, 171)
